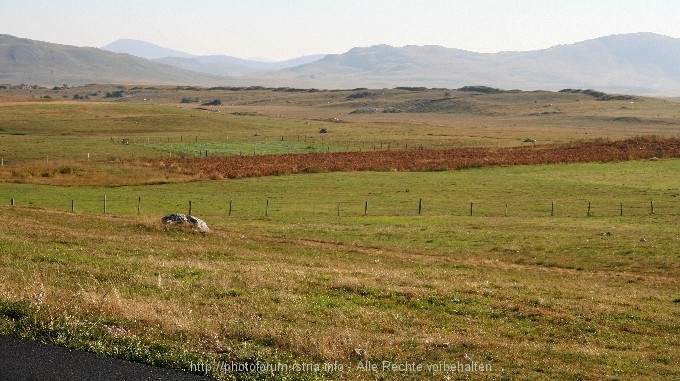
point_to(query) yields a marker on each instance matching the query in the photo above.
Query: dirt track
(421, 160)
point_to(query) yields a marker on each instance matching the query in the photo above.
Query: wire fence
(277, 206)
(116, 148)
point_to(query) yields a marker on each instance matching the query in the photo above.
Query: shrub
(481, 89)
(115, 94)
(411, 88)
(214, 102)
(594, 93)
(363, 94)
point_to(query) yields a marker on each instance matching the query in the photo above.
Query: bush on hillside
(214, 102)
(362, 94)
(115, 94)
(481, 89)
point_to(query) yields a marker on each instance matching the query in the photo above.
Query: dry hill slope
(47, 64)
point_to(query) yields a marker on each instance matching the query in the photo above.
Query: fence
(268, 207)
(119, 148)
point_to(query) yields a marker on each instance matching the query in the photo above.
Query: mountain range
(637, 63)
(214, 64)
(640, 63)
(144, 49)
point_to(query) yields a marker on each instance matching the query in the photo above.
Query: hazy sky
(289, 28)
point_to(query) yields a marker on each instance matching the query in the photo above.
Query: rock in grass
(174, 218)
(179, 219)
(198, 224)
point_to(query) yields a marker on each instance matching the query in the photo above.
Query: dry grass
(536, 297)
(237, 294)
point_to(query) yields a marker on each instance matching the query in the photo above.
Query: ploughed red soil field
(421, 160)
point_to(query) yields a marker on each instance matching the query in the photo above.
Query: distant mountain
(41, 63)
(634, 63)
(215, 64)
(639, 63)
(143, 49)
(232, 66)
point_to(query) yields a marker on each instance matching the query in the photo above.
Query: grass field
(533, 295)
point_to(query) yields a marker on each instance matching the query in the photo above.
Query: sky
(284, 29)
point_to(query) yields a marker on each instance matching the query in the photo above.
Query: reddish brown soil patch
(421, 160)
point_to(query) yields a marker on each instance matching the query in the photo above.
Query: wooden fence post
(506, 210)
(552, 208)
(621, 209)
(588, 208)
(73, 205)
(12, 202)
(190, 207)
(230, 206)
(471, 210)
(139, 205)
(104, 204)
(651, 206)
(420, 207)
(338, 209)
(366, 207)
(266, 209)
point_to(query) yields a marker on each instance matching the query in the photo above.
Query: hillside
(47, 64)
(641, 63)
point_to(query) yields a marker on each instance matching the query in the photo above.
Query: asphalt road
(24, 361)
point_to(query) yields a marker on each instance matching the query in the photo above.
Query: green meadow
(504, 268)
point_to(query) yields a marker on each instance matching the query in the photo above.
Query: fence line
(181, 147)
(127, 206)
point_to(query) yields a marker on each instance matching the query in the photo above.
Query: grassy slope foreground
(536, 296)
